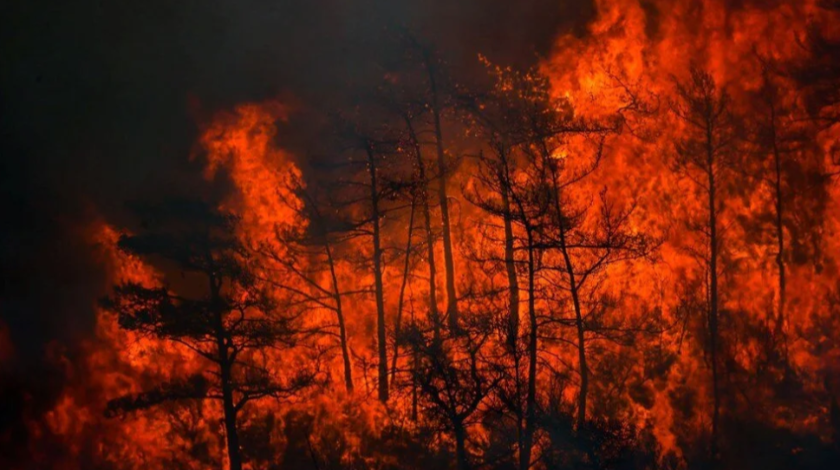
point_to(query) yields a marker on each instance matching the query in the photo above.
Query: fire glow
(624, 258)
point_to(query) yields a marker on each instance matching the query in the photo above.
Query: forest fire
(624, 256)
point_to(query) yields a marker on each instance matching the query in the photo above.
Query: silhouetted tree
(454, 377)
(501, 190)
(306, 254)
(781, 136)
(230, 321)
(435, 94)
(369, 192)
(704, 155)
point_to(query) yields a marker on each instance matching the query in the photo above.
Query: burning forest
(615, 249)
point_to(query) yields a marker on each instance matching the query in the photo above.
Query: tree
(403, 284)
(504, 191)
(577, 241)
(588, 237)
(492, 117)
(455, 376)
(436, 91)
(704, 155)
(306, 256)
(233, 324)
(422, 189)
(781, 138)
(367, 190)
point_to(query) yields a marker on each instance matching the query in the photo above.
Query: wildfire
(654, 246)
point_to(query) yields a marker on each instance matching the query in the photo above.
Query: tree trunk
(400, 303)
(520, 414)
(342, 331)
(584, 370)
(461, 446)
(415, 364)
(513, 288)
(451, 296)
(574, 289)
(230, 417)
(713, 294)
(377, 273)
(434, 315)
(780, 234)
(226, 379)
(581, 337)
(531, 398)
(581, 333)
(510, 265)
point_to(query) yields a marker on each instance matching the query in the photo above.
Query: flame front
(648, 360)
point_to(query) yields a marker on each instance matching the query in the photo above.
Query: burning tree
(532, 182)
(782, 137)
(582, 238)
(435, 92)
(706, 157)
(365, 194)
(455, 374)
(504, 189)
(308, 265)
(221, 312)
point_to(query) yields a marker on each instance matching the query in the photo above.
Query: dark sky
(95, 108)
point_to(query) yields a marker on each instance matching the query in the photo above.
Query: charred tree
(405, 279)
(367, 192)
(228, 325)
(305, 254)
(501, 117)
(704, 155)
(422, 184)
(491, 117)
(781, 135)
(588, 239)
(493, 192)
(454, 377)
(435, 96)
(560, 152)
(375, 219)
